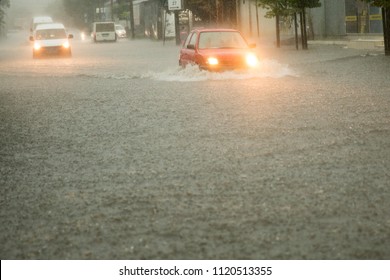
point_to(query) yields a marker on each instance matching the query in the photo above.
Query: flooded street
(118, 153)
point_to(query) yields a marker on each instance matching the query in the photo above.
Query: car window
(47, 34)
(105, 27)
(193, 39)
(221, 39)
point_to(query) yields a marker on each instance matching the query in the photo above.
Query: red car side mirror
(252, 46)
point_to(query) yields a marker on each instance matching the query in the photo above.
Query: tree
(220, 12)
(3, 5)
(277, 9)
(285, 8)
(81, 11)
(300, 7)
(385, 5)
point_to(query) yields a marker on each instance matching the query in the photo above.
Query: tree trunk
(112, 10)
(302, 29)
(277, 31)
(296, 31)
(177, 28)
(131, 13)
(386, 29)
(304, 34)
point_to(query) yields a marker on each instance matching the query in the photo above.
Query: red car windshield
(221, 40)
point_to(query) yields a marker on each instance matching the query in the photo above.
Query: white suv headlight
(66, 45)
(37, 46)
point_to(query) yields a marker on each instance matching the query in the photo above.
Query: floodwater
(118, 153)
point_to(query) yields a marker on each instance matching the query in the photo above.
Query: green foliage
(303, 4)
(204, 9)
(284, 8)
(3, 5)
(121, 9)
(275, 7)
(207, 9)
(77, 9)
(379, 3)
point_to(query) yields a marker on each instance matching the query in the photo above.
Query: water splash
(267, 69)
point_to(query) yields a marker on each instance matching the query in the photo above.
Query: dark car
(217, 50)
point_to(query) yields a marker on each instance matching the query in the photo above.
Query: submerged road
(117, 153)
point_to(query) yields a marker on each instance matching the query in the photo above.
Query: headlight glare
(252, 60)
(66, 45)
(37, 46)
(212, 61)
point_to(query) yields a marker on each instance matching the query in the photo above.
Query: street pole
(177, 28)
(296, 31)
(277, 31)
(131, 15)
(238, 25)
(112, 9)
(250, 18)
(257, 21)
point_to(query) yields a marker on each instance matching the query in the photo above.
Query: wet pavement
(117, 153)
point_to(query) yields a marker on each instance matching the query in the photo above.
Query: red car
(217, 50)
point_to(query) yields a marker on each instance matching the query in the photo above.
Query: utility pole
(250, 18)
(177, 28)
(112, 9)
(131, 15)
(238, 24)
(257, 20)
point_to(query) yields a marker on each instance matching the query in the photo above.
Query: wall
(329, 19)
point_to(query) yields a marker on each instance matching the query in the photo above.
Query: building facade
(335, 18)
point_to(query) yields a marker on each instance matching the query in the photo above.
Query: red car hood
(223, 52)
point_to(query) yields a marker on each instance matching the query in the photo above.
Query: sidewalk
(353, 42)
(358, 42)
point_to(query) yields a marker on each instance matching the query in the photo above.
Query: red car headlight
(212, 61)
(251, 60)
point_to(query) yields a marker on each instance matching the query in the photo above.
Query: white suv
(51, 39)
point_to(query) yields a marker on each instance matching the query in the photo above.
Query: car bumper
(222, 68)
(59, 50)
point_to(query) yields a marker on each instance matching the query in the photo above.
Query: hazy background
(21, 12)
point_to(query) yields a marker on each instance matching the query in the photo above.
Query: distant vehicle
(103, 31)
(217, 50)
(51, 39)
(39, 20)
(120, 31)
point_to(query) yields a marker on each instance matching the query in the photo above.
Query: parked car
(51, 39)
(120, 31)
(103, 31)
(217, 50)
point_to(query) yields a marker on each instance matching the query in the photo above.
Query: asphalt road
(116, 153)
